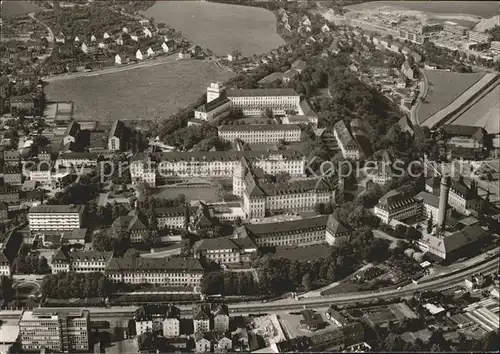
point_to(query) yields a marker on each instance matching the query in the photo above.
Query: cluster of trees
(279, 275)
(178, 120)
(213, 142)
(26, 263)
(495, 32)
(99, 215)
(6, 288)
(85, 189)
(75, 285)
(106, 241)
(229, 283)
(185, 138)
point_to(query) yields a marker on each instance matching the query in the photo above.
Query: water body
(485, 9)
(220, 27)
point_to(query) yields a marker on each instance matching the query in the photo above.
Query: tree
(103, 242)
(267, 113)
(6, 288)
(307, 282)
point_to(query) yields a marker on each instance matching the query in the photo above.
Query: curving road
(424, 87)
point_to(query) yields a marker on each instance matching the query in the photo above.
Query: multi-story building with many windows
(63, 331)
(430, 205)
(348, 145)
(225, 250)
(480, 37)
(143, 169)
(260, 196)
(116, 136)
(260, 133)
(80, 261)
(463, 197)
(222, 164)
(55, 217)
(159, 271)
(302, 232)
(217, 108)
(254, 101)
(398, 206)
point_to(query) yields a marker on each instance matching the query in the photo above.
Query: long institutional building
(260, 133)
(212, 164)
(65, 330)
(247, 239)
(260, 196)
(445, 241)
(252, 102)
(55, 217)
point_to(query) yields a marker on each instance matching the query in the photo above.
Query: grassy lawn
(11, 8)
(303, 253)
(208, 194)
(444, 88)
(145, 93)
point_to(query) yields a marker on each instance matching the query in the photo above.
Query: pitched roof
(217, 243)
(214, 104)
(271, 78)
(394, 199)
(82, 256)
(72, 129)
(428, 198)
(222, 155)
(117, 129)
(334, 226)
(345, 135)
(261, 92)
(464, 130)
(178, 264)
(257, 127)
(201, 312)
(47, 209)
(263, 229)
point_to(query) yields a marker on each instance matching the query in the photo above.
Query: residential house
(134, 37)
(77, 39)
(147, 32)
(12, 175)
(168, 46)
(116, 136)
(4, 213)
(9, 194)
(122, 39)
(220, 314)
(171, 323)
(71, 133)
(106, 35)
(223, 342)
(133, 225)
(325, 28)
(203, 342)
(202, 318)
(299, 65)
(11, 157)
(118, 59)
(334, 316)
(93, 38)
(60, 38)
(139, 55)
(80, 261)
(184, 54)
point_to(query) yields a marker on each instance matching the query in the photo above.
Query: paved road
(424, 87)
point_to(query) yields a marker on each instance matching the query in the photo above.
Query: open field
(303, 253)
(444, 88)
(208, 194)
(144, 93)
(221, 28)
(477, 8)
(11, 8)
(485, 113)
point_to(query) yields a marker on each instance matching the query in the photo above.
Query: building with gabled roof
(224, 250)
(345, 140)
(55, 217)
(463, 198)
(116, 136)
(398, 206)
(202, 318)
(71, 133)
(214, 109)
(80, 261)
(132, 225)
(260, 133)
(220, 314)
(175, 271)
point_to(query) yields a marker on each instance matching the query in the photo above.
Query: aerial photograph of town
(265, 176)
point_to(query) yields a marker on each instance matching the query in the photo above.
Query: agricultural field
(485, 113)
(145, 93)
(444, 88)
(221, 28)
(11, 8)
